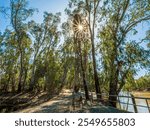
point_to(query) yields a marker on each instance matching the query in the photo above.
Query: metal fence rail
(133, 98)
(105, 97)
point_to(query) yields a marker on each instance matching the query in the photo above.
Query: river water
(142, 102)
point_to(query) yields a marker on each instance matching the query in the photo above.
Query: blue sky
(42, 5)
(59, 6)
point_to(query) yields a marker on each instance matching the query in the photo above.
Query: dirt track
(62, 104)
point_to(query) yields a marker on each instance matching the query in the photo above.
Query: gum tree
(121, 56)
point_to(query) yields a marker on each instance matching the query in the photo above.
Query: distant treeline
(141, 84)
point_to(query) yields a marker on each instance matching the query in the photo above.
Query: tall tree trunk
(32, 82)
(78, 53)
(76, 65)
(97, 86)
(21, 71)
(113, 94)
(25, 78)
(113, 86)
(64, 77)
(92, 36)
(7, 84)
(13, 84)
(83, 72)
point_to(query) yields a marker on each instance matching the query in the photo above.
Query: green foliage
(141, 84)
(43, 56)
(122, 17)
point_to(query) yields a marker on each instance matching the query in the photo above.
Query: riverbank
(142, 94)
(145, 94)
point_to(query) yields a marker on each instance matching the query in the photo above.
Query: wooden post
(119, 102)
(127, 103)
(147, 105)
(134, 103)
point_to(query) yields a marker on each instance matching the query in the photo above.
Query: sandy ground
(62, 104)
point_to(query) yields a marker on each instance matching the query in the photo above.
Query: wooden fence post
(134, 103)
(147, 105)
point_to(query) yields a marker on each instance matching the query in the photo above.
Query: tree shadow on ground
(10, 102)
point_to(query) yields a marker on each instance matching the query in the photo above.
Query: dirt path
(62, 104)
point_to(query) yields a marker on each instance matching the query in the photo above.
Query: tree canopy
(90, 49)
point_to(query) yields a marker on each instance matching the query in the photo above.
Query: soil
(41, 102)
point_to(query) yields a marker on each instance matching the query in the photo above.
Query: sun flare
(80, 27)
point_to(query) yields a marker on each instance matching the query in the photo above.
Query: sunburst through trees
(79, 26)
